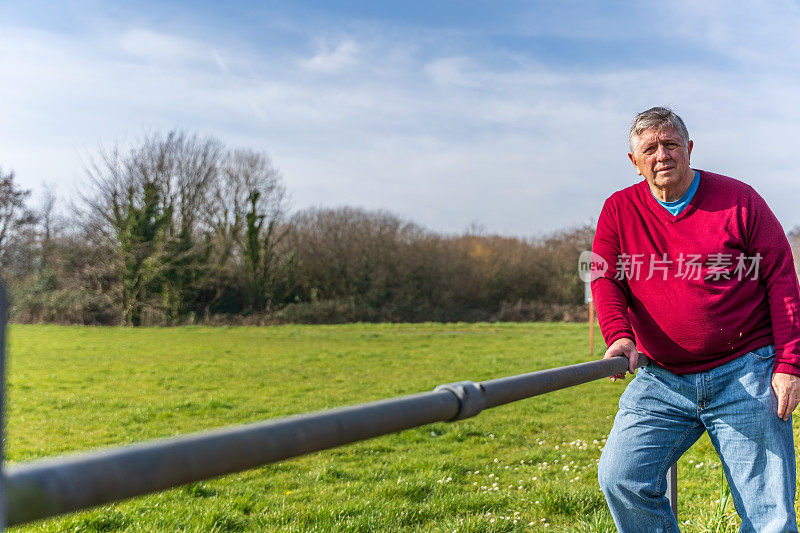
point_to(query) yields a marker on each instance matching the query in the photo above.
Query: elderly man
(698, 278)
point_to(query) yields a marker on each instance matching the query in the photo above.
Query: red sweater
(721, 277)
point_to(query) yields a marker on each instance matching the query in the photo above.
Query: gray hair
(656, 118)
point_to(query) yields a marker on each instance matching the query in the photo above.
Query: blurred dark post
(672, 488)
(3, 318)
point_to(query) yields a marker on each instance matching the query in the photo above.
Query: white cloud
(451, 71)
(758, 33)
(160, 47)
(340, 57)
(221, 63)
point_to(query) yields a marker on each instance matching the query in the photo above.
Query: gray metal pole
(3, 319)
(49, 487)
(510, 389)
(55, 486)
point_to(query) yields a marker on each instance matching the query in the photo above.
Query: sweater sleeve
(609, 290)
(767, 243)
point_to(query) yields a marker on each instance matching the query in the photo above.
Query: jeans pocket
(764, 353)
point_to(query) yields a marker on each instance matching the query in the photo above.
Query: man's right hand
(627, 348)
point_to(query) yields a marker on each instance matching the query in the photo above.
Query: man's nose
(662, 153)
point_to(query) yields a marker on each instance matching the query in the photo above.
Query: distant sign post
(587, 298)
(590, 266)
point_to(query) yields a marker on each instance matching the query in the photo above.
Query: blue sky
(509, 115)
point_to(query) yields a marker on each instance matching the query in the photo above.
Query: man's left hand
(787, 389)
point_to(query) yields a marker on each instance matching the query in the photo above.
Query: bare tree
(182, 168)
(14, 214)
(188, 221)
(247, 207)
(47, 224)
(147, 203)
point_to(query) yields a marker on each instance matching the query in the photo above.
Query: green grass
(532, 462)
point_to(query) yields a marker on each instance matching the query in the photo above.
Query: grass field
(529, 466)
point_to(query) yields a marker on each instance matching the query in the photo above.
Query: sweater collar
(659, 210)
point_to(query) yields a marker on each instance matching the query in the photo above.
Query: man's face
(662, 158)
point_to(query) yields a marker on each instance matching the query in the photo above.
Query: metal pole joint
(471, 397)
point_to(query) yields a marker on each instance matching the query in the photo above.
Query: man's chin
(666, 179)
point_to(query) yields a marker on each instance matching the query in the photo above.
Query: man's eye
(649, 150)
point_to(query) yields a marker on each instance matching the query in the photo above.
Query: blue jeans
(662, 414)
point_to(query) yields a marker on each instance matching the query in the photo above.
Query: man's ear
(689, 147)
(633, 160)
